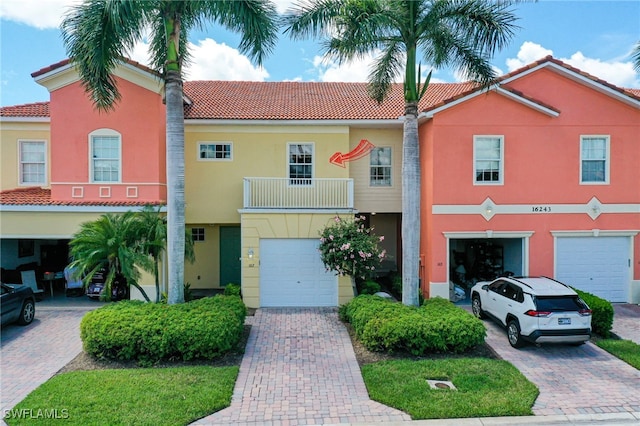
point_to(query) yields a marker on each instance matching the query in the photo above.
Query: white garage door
(292, 274)
(598, 265)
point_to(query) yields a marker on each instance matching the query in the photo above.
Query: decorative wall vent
(105, 192)
(77, 192)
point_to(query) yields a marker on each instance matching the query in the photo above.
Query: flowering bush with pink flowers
(349, 248)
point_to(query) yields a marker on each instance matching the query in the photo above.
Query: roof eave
(618, 94)
(15, 119)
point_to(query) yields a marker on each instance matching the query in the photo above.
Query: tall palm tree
(110, 243)
(460, 33)
(98, 34)
(635, 57)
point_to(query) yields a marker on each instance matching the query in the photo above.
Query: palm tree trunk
(410, 206)
(175, 186)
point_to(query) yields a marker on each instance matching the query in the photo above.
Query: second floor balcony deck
(286, 193)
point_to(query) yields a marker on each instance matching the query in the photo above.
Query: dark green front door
(229, 255)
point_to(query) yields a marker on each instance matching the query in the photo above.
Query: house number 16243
(541, 209)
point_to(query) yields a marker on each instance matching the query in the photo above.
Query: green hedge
(148, 332)
(437, 326)
(601, 313)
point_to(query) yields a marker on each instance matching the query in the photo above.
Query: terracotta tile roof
(247, 100)
(38, 109)
(36, 196)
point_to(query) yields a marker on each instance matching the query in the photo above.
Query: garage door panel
(292, 274)
(598, 265)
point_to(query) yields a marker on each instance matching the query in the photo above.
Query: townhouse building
(536, 175)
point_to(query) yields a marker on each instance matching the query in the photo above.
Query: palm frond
(97, 34)
(384, 71)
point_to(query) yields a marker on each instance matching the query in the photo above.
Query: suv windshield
(559, 303)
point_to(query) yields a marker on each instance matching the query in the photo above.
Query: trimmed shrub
(369, 287)
(601, 312)
(147, 333)
(437, 326)
(232, 289)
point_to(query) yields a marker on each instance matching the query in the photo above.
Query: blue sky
(594, 36)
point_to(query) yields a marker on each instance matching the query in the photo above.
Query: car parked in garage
(96, 287)
(533, 309)
(18, 304)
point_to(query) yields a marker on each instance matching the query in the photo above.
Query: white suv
(537, 310)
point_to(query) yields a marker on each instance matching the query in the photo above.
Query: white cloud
(619, 73)
(36, 13)
(529, 52)
(210, 61)
(354, 71)
(616, 72)
(215, 61)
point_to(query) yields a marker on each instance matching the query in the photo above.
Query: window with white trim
(214, 151)
(300, 163)
(488, 159)
(594, 159)
(380, 166)
(33, 166)
(197, 234)
(105, 153)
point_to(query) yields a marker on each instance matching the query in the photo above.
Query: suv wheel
(513, 334)
(476, 307)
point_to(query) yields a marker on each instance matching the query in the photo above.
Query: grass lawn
(486, 387)
(140, 396)
(626, 350)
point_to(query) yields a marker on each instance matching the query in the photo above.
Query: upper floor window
(488, 158)
(32, 162)
(214, 151)
(380, 167)
(105, 155)
(300, 163)
(594, 159)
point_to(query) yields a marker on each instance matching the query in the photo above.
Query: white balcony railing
(284, 193)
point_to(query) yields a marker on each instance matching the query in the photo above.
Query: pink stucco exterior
(541, 168)
(138, 118)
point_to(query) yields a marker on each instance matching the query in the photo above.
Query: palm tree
(460, 33)
(635, 56)
(110, 243)
(151, 238)
(99, 33)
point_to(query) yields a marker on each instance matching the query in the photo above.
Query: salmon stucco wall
(540, 192)
(138, 118)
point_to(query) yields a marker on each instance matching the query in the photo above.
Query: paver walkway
(572, 379)
(300, 368)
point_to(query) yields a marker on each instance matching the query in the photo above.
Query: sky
(595, 36)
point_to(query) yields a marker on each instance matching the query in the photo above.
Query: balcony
(284, 193)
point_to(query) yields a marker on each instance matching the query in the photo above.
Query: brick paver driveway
(572, 379)
(34, 353)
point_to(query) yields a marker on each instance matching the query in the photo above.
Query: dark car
(18, 304)
(119, 290)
